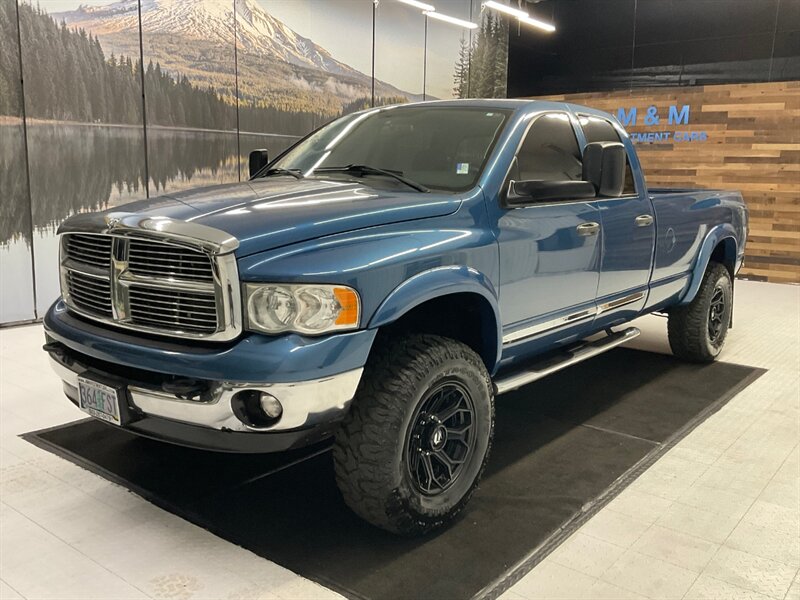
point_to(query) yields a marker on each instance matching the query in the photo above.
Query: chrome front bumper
(305, 404)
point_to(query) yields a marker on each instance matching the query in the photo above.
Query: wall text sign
(650, 117)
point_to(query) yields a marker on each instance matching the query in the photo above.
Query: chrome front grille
(152, 285)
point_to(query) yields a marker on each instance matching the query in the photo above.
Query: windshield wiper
(367, 170)
(296, 173)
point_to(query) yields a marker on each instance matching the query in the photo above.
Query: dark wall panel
(786, 57)
(593, 43)
(621, 44)
(16, 276)
(661, 21)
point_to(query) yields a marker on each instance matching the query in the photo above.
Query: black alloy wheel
(716, 315)
(441, 438)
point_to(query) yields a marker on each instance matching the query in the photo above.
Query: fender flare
(719, 233)
(435, 283)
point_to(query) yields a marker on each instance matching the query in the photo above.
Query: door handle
(643, 220)
(587, 229)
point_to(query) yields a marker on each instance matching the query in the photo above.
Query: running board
(571, 356)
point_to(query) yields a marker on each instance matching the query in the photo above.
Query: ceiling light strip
(537, 23)
(505, 8)
(521, 15)
(420, 5)
(451, 20)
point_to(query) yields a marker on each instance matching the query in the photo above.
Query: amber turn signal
(348, 300)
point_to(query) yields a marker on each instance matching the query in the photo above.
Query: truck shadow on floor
(559, 444)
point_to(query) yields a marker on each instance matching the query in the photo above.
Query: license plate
(99, 400)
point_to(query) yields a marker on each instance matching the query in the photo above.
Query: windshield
(438, 147)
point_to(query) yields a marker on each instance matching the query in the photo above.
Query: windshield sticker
(462, 168)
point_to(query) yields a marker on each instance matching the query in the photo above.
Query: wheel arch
(721, 246)
(425, 304)
(725, 254)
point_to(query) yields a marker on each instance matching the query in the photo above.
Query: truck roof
(513, 104)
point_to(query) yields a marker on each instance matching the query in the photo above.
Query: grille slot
(165, 260)
(91, 294)
(151, 286)
(94, 250)
(190, 311)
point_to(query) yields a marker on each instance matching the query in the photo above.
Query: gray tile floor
(717, 517)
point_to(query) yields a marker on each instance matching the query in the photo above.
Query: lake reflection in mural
(16, 281)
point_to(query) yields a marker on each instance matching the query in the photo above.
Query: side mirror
(604, 167)
(258, 160)
(528, 192)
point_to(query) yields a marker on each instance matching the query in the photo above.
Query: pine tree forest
(68, 77)
(9, 61)
(480, 70)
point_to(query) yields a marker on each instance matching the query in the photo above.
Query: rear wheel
(412, 449)
(698, 330)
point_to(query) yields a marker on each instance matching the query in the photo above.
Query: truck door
(629, 228)
(549, 251)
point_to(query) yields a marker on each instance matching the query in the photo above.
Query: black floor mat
(561, 447)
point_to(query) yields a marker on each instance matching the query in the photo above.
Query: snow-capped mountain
(258, 32)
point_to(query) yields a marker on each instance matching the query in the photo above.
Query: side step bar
(568, 358)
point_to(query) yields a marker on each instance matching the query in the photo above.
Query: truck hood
(270, 213)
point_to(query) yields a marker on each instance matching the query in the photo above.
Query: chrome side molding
(577, 317)
(569, 357)
(619, 302)
(548, 325)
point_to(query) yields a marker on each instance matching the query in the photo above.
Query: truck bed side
(691, 224)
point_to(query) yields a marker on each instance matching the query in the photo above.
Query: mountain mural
(278, 68)
(89, 88)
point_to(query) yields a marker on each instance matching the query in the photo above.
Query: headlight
(309, 309)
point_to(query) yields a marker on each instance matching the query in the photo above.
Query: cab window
(550, 151)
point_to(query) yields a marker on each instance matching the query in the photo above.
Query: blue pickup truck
(382, 282)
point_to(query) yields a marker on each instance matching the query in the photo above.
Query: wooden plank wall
(753, 146)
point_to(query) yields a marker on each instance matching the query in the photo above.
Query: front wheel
(412, 449)
(698, 330)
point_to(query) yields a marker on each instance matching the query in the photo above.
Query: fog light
(270, 405)
(256, 408)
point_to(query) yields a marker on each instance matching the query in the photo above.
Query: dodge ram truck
(380, 283)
